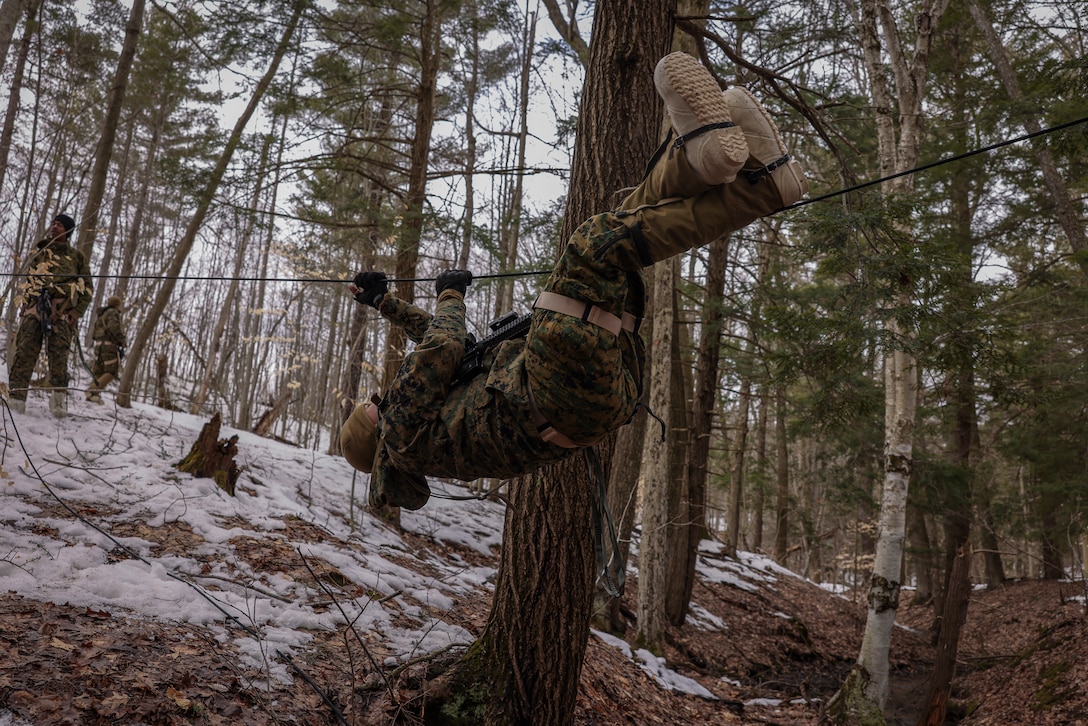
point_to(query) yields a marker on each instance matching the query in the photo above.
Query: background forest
(250, 156)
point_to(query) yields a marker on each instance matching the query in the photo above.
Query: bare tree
(142, 336)
(104, 151)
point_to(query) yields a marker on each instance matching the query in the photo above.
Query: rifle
(45, 310)
(507, 327)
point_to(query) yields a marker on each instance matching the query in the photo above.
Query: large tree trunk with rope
(526, 666)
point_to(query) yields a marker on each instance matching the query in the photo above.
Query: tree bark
(213, 457)
(653, 558)
(528, 662)
(16, 80)
(10, 10)
(782, 479)
(865, 690)
(953, 617)
(407, 255)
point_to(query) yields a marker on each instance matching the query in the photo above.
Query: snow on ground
(115, 467)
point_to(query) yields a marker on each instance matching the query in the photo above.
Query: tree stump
(213, 457)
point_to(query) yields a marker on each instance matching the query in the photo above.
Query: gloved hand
(369, 288)
(458, 280)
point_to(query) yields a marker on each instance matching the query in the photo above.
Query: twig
(246, 586)
(349, 621)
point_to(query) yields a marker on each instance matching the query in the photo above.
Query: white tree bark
(881, 44)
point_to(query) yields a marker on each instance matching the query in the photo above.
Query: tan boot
(714, 146)
(58, 402)
(766, 147)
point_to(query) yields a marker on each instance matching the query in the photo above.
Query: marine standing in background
(55, 295)
(109, 337)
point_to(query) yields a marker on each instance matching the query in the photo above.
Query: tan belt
(587, 312)
(544, 429)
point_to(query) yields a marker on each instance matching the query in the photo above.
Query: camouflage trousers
(107, 359)
(587, 380)
(28, 343)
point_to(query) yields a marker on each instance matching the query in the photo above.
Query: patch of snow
(656, 668)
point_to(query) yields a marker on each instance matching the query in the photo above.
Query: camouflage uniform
(585, 380)
(62, 271)
(109, 336)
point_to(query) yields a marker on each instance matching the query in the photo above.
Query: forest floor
(767, 647)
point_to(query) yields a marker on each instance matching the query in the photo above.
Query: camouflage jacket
(63, 272)
(483, 426)
(107, 326)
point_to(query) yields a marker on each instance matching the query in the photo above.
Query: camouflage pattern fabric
(28, 343)
(109, 334)
(61, 270)
(585, 380)
(478, 428)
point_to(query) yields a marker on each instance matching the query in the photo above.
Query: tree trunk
(104, 150)
(10, 10)
(510, 233)
(953, 617)
(759, 491)
(736, 472)
(622, 503)
(213, 457)
(430, 56)
(16, 80)
(782, 480)
(108, 250)
(653, 557)
(527, 664)
(865, 691)
(704, 399)
(135, 353)
(1065, 211)
(214, 340)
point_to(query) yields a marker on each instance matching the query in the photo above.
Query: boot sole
(687, 86)
(765, 142)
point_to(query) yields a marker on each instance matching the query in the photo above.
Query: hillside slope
(135, 594)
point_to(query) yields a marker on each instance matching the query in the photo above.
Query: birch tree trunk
(865, 690)
(135, 354)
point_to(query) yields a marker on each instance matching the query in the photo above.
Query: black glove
(371, 288)
(458, 280)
